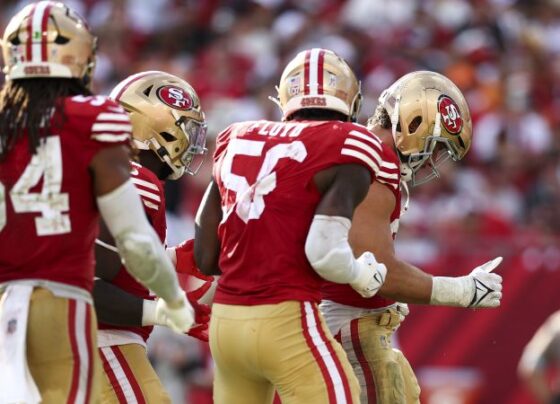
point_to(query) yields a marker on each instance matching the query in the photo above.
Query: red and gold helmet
(166, 118)
(319, 78)
(48, 39)
(431, 123)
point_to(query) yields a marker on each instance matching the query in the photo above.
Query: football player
(64, 158)
(422, 119)
(169, 130)
(274, 222)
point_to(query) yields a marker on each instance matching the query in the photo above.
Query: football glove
(370, 280)
(481, 288)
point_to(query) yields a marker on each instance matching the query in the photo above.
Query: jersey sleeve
(389, 169)
(111, 125)
(362, 147)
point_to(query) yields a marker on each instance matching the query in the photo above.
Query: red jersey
(151, 192)
(389, 175)
(264, 171)
(48, 214)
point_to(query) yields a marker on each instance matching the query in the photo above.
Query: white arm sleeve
(329, 253)
(137, 242)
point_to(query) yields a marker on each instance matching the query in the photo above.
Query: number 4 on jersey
(50, 202)
(249, 198)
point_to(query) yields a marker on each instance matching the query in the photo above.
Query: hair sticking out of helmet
(166, 118)
(318, 79)
(430, 122)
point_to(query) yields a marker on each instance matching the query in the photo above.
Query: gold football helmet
(166, 118)
(48, 39)
(319, 78)
(431, 123)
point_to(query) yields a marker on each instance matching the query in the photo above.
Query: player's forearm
(406, 283)
(115, 306)
(138, 244)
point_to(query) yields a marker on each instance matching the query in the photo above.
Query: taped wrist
(452, 291)
(329, 253)
(137, 242)
(149, 313)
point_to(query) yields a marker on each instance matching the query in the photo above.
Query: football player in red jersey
(64, 158)
(274, 222)
(423, 119)
(169, 129)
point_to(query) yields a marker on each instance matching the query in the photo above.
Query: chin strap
(406, 192)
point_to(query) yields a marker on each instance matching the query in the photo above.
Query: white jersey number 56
(249, 198)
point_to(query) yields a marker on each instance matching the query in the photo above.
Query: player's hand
(487, 286)
(184, 261)
(201, 313)
(371, 280)
(178, 315)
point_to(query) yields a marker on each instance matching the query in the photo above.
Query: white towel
(16, 383)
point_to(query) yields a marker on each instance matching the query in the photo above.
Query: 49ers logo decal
(175, 97)
(450, 116)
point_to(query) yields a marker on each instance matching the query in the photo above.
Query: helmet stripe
(123, 85)
(37, 25)
(306, 73)
(28, 45)
(44, 25)
(313, 71)
(320, 72)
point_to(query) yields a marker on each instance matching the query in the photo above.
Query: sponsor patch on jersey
(450, 116)
(175, 97)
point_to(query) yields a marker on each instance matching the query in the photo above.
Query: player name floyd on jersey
(264, 171)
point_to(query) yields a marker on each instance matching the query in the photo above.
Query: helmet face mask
(48, 39)
(166, 118)
(430, 122)
(318, 79)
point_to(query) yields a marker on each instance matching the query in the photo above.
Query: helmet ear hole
(168, 136)
(61, 40)
(414, 124)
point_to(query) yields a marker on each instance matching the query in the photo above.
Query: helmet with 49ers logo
(48, 39)
(431, 123)
(319, 78)
(166, 118)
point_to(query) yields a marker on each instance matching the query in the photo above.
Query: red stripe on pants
(317, 355)
(75, 353)
(113, 379)
(129, 375)
(89, 352)
(368, 375)
(336, 359)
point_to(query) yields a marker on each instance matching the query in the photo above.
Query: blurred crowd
(504, 55)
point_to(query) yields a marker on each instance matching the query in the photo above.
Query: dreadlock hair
(27, 106)
(380, 118)
(317, 114)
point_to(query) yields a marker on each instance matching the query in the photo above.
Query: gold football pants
(384, 374)
(129, 377)
(284, 346)
(61, 338)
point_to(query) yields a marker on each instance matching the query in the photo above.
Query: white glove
(179, 318)
(487, 285)
(481, 288)
(371, 275)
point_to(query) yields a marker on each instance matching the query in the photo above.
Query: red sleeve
(102, 122)
(362, 147)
